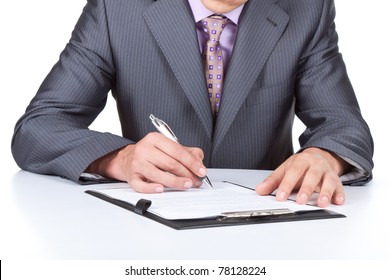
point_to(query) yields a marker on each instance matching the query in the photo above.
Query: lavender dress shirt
(228, 35)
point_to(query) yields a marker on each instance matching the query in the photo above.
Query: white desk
(50, 217)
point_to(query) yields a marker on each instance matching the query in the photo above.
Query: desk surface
(49, 217)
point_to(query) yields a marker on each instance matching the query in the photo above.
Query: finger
(271, 183)
(293, 176)
(311, 181)
(148, 172)
(330, 184)
(182, 155)
(198, 153)
(339, 195)
(138, 183)
(158, 150)
(166, 163)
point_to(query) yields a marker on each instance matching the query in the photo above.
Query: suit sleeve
(52, 137)
(326, 102)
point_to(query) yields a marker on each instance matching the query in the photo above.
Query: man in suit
(280, 59)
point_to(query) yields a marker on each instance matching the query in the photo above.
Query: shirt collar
(200, 11)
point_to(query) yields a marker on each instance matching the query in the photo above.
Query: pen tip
(207, 180)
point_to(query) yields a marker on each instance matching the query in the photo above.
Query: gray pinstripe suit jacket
(152, 64)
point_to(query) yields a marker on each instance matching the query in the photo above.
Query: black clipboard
(142, 206)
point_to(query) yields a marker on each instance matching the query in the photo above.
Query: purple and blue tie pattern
(212, 58)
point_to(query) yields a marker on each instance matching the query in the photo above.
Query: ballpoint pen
(165, 130)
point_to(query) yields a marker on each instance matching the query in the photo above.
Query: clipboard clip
(256, 213)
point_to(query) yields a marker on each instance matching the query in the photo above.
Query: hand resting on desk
(312, 170)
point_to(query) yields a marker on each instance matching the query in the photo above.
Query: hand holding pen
(165, 130)
(153, 163)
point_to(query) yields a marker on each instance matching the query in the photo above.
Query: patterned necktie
(212, 58)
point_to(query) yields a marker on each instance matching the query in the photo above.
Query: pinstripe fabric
(130, 48)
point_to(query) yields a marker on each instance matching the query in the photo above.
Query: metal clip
(256, 213)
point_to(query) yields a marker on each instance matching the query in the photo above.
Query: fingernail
(281, 196)
(340, 199)
(324, 200)
(198, 183)
(159, 189)
(188, 184)
(202, 171)
(303, 198)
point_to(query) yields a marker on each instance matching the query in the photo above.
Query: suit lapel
(172, 25)
(261, 25)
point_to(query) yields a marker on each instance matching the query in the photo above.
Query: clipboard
(234, 218)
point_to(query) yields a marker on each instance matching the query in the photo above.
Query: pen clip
(163, 128)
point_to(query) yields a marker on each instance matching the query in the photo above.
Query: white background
(33, 33)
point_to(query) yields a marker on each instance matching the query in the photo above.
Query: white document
(203, 202)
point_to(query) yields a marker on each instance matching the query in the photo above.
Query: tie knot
(213, 27)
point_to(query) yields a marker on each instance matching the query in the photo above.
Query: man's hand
(312, 170)
(152, 163)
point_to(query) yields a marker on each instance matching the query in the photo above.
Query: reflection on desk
(66, 223)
